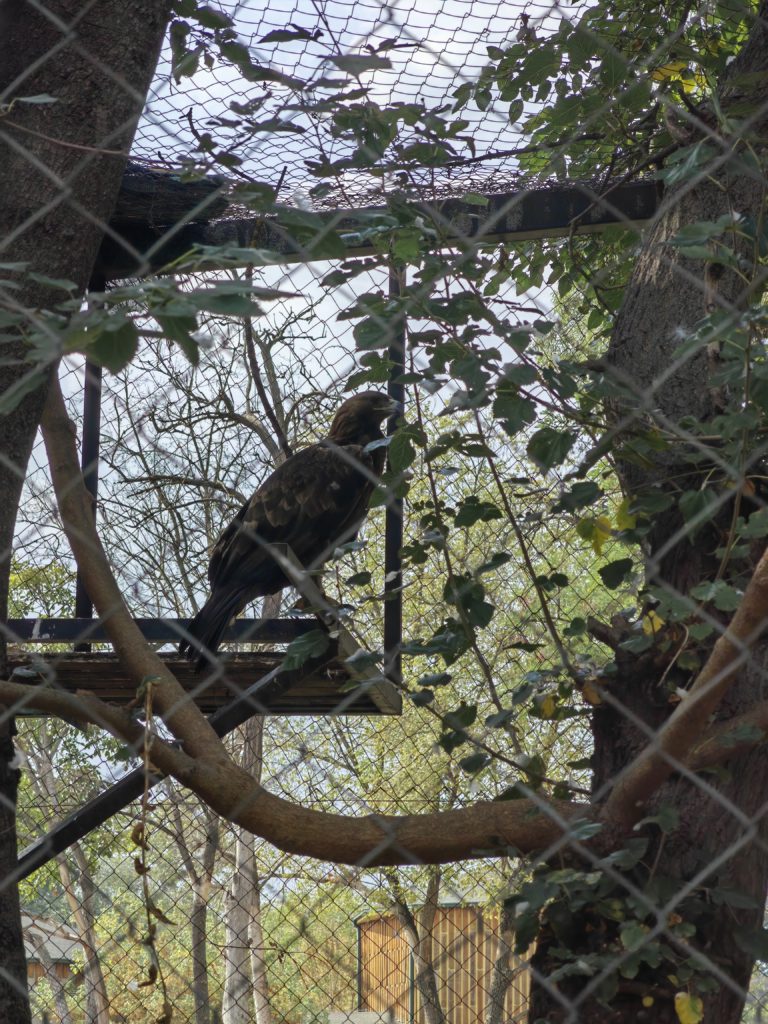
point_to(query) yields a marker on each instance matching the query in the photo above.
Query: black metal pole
(393, 529)
(89, 461)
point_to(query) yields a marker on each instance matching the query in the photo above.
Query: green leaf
(461, 718)
(516, 108)
(356, 64)
(289, 35)
(549, 447)
(179, 329)
(724, 597)
(514, 412)
(59, 283)
(614, 573)
(406, 244)
(577, 627)
(401, 451)
(302, 648)
(756, 525)
(497, 559)
(359, 579)
(474, 763)
(667, 818)
(472, 510)
(580, 494)
(630, 855)
(371, 333)
(697, 507)
(210, 18)
(520, 374)
(115, 345)
(422, 697)
(435, 679)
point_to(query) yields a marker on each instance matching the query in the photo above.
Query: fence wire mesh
(493, 754)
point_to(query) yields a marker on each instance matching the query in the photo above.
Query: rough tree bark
(97, 61)
(721, 838)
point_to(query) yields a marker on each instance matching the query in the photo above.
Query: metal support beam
(89, 461)
(393, 529)
(514, 216)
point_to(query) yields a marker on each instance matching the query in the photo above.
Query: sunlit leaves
(689, 1008)
(596, 530)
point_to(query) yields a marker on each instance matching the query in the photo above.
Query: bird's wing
(310, 501)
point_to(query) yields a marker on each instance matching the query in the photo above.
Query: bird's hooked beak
(394, 408)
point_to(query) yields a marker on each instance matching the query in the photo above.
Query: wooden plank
(101, 675)
(49, 630)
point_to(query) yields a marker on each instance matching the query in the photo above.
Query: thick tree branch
(180, 714)
(485, 829)
(674, 742)
(727, 739)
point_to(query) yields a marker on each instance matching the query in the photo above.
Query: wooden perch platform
(322, 687)
(322, 692)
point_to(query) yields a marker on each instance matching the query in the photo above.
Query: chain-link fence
(384, 639)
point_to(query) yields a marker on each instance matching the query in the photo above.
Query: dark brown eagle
(316, 500)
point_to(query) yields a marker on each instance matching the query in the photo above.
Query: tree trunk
(14, 1001)
(83, 915)
(503, 972)
(246, 988)
(112, 44)
(261, 1003)
(418, 933)
(198, 925)
(199, 868)
(720, 841)
(59, 996)
(236, 1008)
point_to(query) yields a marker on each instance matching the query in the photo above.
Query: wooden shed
(51, 948)
(465, 948)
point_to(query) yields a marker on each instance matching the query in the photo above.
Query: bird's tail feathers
(207, 627)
